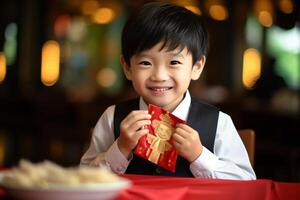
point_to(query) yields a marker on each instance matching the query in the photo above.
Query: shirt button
(158, 170)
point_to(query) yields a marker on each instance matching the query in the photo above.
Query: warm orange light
(2, 149)
(264, 12)
(251, 67)
(89, 7)
(286, 6)
(194, 9)
(218, 12)
(104, 15)
(265, 18)
(106, 77)
(2, 67)
(50, 63)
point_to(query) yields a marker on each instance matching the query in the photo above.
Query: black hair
(173, 25)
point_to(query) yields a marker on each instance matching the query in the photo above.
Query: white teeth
(160, 89)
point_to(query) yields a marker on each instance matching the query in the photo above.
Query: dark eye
(144, 63)
(175, 62)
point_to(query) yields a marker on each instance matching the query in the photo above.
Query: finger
(177, 138)
(133, 117)
(141, 133)
(136, 116)
(178, 146)
(134, 128)
(185, 127)
(181, 132)
(185, 130)
(139, 125)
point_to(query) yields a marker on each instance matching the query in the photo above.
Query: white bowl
(99, 191)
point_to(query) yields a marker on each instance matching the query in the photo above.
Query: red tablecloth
(157, 188)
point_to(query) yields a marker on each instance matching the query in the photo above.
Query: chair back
(248, 138)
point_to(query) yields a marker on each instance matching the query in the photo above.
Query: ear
(126, 68)
(198, 68)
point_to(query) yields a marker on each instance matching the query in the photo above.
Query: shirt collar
(181, 111)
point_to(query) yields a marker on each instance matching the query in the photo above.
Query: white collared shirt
(229, 160)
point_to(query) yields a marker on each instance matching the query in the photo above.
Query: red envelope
(157, 146)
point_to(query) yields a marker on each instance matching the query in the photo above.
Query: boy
(163, 49)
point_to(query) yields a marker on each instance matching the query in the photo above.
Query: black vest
(202, 117)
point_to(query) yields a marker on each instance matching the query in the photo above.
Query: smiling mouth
(160, 89)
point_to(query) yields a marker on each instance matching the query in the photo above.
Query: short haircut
(173, 25)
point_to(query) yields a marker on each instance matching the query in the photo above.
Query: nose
(159, 73)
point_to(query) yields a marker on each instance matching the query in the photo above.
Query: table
(158, 187)
(175, 188)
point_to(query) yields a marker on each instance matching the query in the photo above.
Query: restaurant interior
(60, 69)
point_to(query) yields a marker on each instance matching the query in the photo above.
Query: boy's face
(162, 77)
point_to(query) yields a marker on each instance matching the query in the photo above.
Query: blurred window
(284, 45)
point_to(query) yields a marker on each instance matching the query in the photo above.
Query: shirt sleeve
(229, 160)
(103, 149)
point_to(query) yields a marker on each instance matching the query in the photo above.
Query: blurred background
(59, 70)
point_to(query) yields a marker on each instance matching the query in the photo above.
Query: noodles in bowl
(47, 180)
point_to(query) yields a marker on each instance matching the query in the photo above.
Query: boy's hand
(187, 142)
(131, 129)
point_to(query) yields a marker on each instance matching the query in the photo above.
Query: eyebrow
(177, 55)
(142, 55)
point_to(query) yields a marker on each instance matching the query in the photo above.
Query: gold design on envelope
(159, 143)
